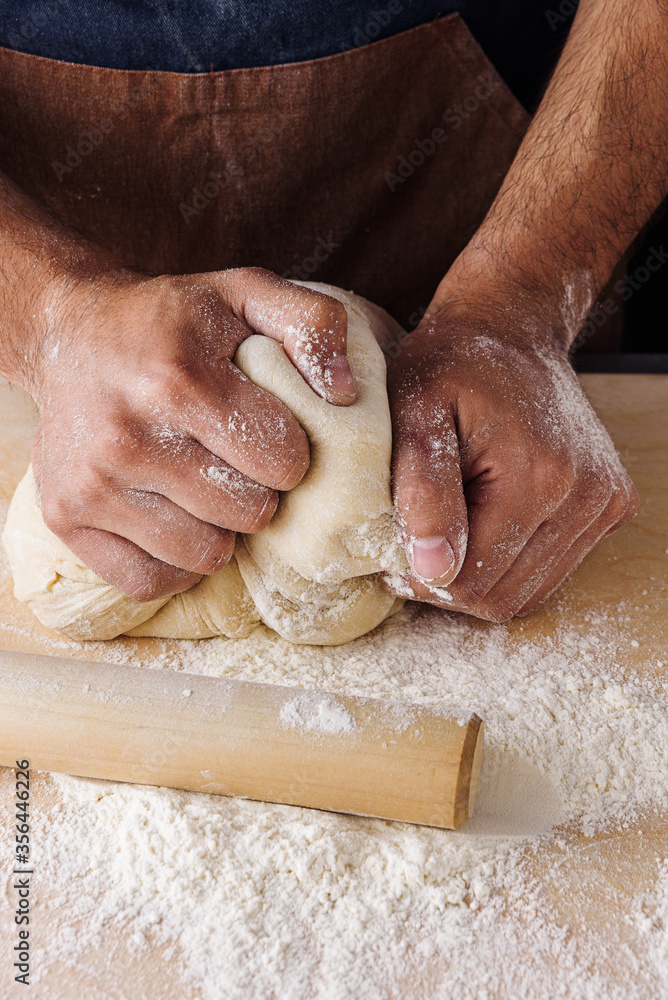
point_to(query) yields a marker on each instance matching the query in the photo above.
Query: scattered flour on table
(260, 901)
(651, 916)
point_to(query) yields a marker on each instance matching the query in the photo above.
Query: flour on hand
(311, 575)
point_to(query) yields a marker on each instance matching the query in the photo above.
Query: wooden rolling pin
(372, 757)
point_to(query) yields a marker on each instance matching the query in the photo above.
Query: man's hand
(503, 476)
(152, 447)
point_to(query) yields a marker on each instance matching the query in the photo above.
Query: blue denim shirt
(521, 37)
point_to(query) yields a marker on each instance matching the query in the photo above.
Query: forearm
(42, 262)
(588, 175)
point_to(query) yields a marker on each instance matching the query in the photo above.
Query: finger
(621, 508)
(312, 327)
(164, 530)
(632, 502)
(597, 506)
(128, 567)
(254, 432)
(506, 506)
(412, 588)
(548, 558)
(206, 486)
(152, 522)
(428, 495)
(504, 510)
(541, 554)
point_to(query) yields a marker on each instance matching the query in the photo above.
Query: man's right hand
(152, 447)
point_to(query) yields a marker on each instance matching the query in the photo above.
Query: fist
(503, 476)
(153, 449)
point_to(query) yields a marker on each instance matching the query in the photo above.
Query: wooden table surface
(598, 876)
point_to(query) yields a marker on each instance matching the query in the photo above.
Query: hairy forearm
(42, 262)
(590, 172)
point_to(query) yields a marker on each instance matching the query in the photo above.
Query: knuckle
(175, 384)
(503, 604)
(294, 464)
(633, 501)
(618, 504)
(237, 502)
(143, 590)
(501, 609)
(478, 603)
(472, 592)
(91, 491)
(290, 476)
(420, 496)
(149, 587)
(325, 312)
(552, 475)
(57, 514)
(626, 488)
(597, 496)
(151, 584)
(258, 518)
(489, 614)
(64, 512)
(240, 281)
(191, 545)
(115, 441)
(333, 312)
(254, 273)
(175, 381)
(532, 605)
(210, 554)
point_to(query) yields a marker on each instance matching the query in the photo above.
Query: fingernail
(339, 377)
(432, 558)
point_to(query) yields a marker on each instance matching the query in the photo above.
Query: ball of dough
(311, 574)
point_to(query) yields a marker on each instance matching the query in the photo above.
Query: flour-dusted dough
(311, 574)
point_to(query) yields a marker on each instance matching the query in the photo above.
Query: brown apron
(369, 169)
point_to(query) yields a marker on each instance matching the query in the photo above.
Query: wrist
(48, 273)
(514, 292)
(70, 313)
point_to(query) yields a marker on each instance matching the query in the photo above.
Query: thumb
(429, 496)
(312, 327)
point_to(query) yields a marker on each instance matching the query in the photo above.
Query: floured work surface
(559, 885)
